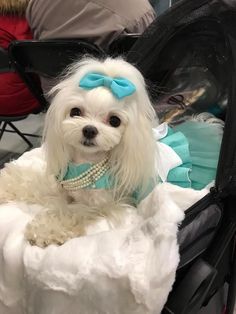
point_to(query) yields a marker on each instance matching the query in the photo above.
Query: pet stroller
(188, 56)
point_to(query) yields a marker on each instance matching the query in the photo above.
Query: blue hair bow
(119, 86)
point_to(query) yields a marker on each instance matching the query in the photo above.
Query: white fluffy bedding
(124, 271)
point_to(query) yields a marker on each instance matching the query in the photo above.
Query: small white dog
(99, 151)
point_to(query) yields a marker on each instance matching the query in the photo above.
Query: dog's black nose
(90, 131)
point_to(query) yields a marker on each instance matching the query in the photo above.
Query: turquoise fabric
(105, 182)
(204, 146)
(119, 86)
(74, 170)
(179, 143)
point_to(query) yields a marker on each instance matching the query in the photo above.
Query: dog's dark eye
(75, 112)
(114, 121)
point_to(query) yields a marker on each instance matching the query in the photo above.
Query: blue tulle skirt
(198, 145)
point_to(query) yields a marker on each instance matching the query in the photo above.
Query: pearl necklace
(88, 177)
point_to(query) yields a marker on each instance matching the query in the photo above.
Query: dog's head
(93, 120)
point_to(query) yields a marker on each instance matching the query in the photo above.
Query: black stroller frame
(208, 261)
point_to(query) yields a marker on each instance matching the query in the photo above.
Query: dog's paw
(38, 238)
(42, 235)
(51, 228)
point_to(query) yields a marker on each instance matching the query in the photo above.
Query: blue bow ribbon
(119, 86)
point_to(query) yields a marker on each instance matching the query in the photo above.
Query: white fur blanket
(129, 270)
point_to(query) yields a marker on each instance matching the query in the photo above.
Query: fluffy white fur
(130, 147)
(129, 270)
(131, 162)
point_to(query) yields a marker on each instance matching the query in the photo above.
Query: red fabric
(15, 97)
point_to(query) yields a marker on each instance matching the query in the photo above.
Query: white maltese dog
(99, 151)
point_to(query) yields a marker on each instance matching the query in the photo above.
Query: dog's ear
(57, 155)
(133, 160)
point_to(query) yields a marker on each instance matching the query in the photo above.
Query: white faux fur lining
(129, 270)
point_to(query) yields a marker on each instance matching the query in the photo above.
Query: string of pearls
(88, 177)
